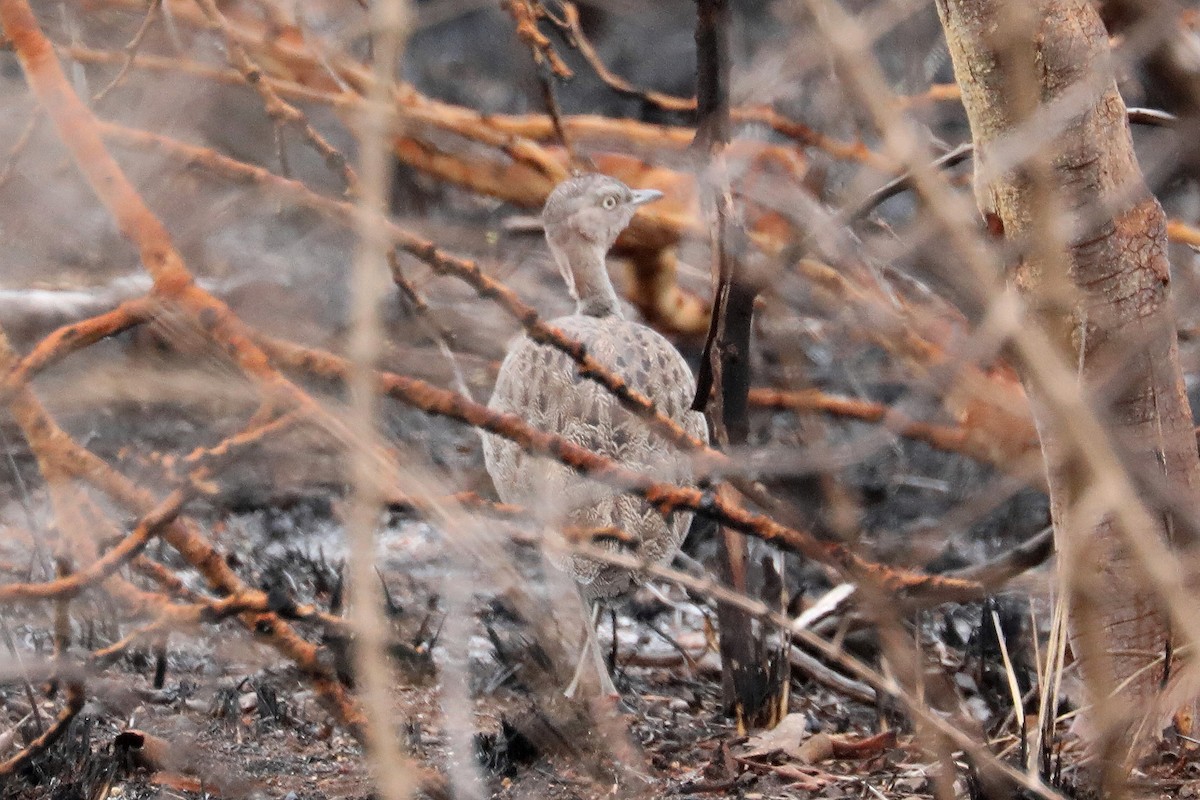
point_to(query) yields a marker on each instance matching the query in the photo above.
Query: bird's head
(592, 209)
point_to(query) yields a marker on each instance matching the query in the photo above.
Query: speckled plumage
(583, 217)
(541, 384)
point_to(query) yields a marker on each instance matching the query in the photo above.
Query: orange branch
(76, 127)
(75, 699)
(667, 498)
(438, 260)
(79, 132)
(76, 336)
(976, 443)
(72, 584)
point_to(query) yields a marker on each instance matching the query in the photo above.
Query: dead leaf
(786, 737)
(847, 746)
(791, 738)
(149, 752)
(181, 783)
(803, 780)
(818, 748)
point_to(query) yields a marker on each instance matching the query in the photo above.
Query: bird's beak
(640, 197)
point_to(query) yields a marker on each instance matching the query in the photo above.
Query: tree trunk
(1056, 172)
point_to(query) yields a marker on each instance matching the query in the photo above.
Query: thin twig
(131, 51)
(281, 112)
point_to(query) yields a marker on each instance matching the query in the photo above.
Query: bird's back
(541, 384)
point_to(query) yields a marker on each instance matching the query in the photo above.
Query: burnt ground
(236, 721)
(232, 720)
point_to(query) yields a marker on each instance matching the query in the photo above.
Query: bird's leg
(607, 687)
(612, 654)
(581, 662)
(591, 643)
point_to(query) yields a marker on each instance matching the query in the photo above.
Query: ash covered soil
(225, 716)
(231, 718)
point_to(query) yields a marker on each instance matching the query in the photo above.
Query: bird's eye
(609, 202)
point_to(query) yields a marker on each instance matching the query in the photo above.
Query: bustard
(583, 217)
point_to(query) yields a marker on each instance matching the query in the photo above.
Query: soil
(239, 722)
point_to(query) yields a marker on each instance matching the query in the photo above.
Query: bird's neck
(582, 266)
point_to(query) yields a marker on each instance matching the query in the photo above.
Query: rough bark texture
(753, 684)
(1102, 288)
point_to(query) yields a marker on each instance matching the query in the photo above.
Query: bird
(582, 218)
